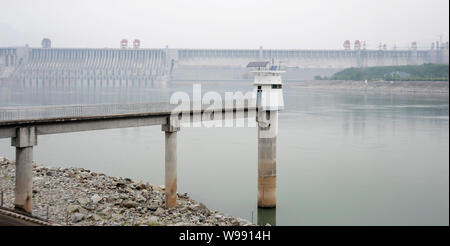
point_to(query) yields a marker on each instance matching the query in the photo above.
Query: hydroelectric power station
(48, 67)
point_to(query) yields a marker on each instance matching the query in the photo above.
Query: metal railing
(68, 111)
(93, 110)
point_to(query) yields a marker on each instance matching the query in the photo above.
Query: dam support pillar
(260, 53)
(171, 128)
(267, 164)
(24, 141)
(268, 92)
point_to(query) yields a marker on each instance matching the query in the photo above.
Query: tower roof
(258, 64)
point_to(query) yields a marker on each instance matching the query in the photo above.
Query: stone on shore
(77, 196)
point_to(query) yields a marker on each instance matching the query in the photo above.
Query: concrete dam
(138, 67)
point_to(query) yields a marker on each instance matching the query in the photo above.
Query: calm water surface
(344, 158)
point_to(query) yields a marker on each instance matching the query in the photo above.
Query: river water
(344, 158)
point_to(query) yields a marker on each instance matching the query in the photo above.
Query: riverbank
(423, 72)
(421, 87)
(77, 196)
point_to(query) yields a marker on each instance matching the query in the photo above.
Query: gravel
(77, 196)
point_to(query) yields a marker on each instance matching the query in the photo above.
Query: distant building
(136, 43)
(46, 43)
(123, 43)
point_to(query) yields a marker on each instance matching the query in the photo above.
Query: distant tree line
(425, 72)
(318, 77)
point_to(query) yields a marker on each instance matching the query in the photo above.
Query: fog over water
(344, 158)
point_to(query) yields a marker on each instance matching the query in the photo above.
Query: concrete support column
(170, 130)
(260, 53)
(24, 141)
(267, 147)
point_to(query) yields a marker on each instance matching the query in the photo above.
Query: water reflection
(267, 216)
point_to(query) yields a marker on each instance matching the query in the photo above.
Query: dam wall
(139, 67)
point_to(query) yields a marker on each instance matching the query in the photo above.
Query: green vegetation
(425, 72)
(318, 77)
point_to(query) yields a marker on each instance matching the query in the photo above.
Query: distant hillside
(425, 72)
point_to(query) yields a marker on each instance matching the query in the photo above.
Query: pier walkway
(24, 124)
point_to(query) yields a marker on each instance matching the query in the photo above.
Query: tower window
(276, 86)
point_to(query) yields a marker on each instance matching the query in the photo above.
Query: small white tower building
(267, 85)
(268, 93)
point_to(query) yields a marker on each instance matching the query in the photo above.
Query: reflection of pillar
(170, 130)
(24, 141)
(267, 216)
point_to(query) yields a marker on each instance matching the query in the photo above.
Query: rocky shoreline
(77, 196)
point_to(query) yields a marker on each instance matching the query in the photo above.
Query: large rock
(106, 211)
(152, 220)
(96, 199)
(153, 206)
(159, 211)
(77, 217)
(200, 208)
(121, 184)
(234, 222)
(140, 186)
(4, 161)
(73, 208)
(140, 198)
(83, 201)
(129, 204)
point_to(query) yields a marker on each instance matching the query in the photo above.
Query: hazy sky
(223, 23)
